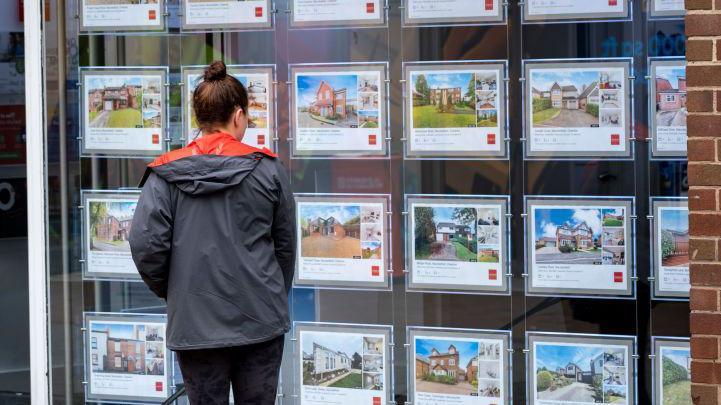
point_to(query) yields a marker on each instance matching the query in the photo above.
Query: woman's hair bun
(215, 71)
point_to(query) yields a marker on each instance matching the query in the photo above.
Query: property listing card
(126, 358)
(199, 14)
(543, 10)
(343, 241)
(576, 109)
(114, 15)
(670, 247)
(261, 119)
(581, 369)
(457, 244)
(668, 107)
(579, 247)
(123, 112)
(108, 218)
(343, 364)
(458, 366)
(452, 11)
(667, 8)
(339, 110)
(672, 371)
(455, 110)
(309, 13)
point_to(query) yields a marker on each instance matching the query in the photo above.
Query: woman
(213, 234)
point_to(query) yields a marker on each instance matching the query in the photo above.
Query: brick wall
(703, 52)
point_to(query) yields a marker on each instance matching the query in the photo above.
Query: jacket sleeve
(151, 234)
(283, 231)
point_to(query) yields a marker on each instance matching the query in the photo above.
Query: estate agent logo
(370, 7)
(152, 15)
(159, 386)
(492, 274)
(156, 139)
(261, 139)
(491, 139)
(617, 277)
(489, 5)
(259, 11)
(376, 400)
(615, 139)
(375, 270)
(612, 2)
(372, 139)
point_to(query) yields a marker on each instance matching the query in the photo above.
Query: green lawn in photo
(369, 124)
(352, 380)
(487, 259)
(125, 118)
(92, 115)
(678, 393)
(487, 123)
(462, 252)
(545, 115)
(427, 116)
(612, 222)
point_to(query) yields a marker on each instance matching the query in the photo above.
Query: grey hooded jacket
(214, 234)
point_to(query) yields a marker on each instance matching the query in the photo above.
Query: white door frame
(37, 209)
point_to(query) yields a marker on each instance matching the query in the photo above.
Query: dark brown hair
(217, 97)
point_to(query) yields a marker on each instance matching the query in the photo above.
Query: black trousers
(252, 370)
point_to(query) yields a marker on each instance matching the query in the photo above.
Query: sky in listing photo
(327, 101)
(445, 233)
(565, 98)
(447, 377)
(330, 231)
(674, 220)
(120, 330)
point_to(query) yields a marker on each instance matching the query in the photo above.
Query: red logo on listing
(372, 139)
(370, 8)
(612, 2)
(159, 386)
(156, 139)
(615, 139)
(491, 139)
(375, 270)
(261, 139)
(493, 274)
(376, 400)
(259, 11)
(617, 277)
(152, 15)
(489, 5)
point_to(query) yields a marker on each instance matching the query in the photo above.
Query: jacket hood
(209, 164)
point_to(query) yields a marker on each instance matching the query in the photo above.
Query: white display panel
(258, 82)
(226, 14)
(666, 8)
(575, 10)
(126, 359)
(455, 110)
(458, 366)
(340, 364)
(457, 243)
(343, 241)
(337, 13)
(579, 246)
(671, 371)
(339, 110)
(667, 107)
(123, 111)
(670, 247)
(577, 109)
(580, 369)
(452, 12)
(121, 15)
(107, 219)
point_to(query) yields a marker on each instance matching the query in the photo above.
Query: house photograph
(450, 100)
(332, 359)
(565, 98)
(109, 225)
(368, 119)
(119, 2)
(673, 245)
(331, 231)
(441, 366)
(114, 101)
(575, 373)
(567, 235)
(675, 375)
(670, 84)
(117, 348)
(327, 101)
(445, 233)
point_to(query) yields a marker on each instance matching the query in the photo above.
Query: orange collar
(218, 143)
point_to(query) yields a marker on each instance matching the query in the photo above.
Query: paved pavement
(462, 388)
(110, 247)
(576, 392)
(306, 121)
(570, 119)
(579, 257)
(675, 118)
(101, 120)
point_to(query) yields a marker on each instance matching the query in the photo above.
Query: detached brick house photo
(329, 101)
(115, 102)
(110, 224)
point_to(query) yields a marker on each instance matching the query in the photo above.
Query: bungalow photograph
(445, 233)
(670, 84)
(326, 101)
(673, 246)
(117, 348)
(565, 98)
(451, 100)
(567, 235)
(332, 359)
(330, 231)
(441, 364)
(114, 101)
(675, 375)
(109, 225)
(573, 373)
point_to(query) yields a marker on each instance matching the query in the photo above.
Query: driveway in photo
(671, 118)
(462, 388)
(576, 392)
(101, 120)
(570, 119)
(552, 255)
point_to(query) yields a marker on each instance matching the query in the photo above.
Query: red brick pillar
(703, 52)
